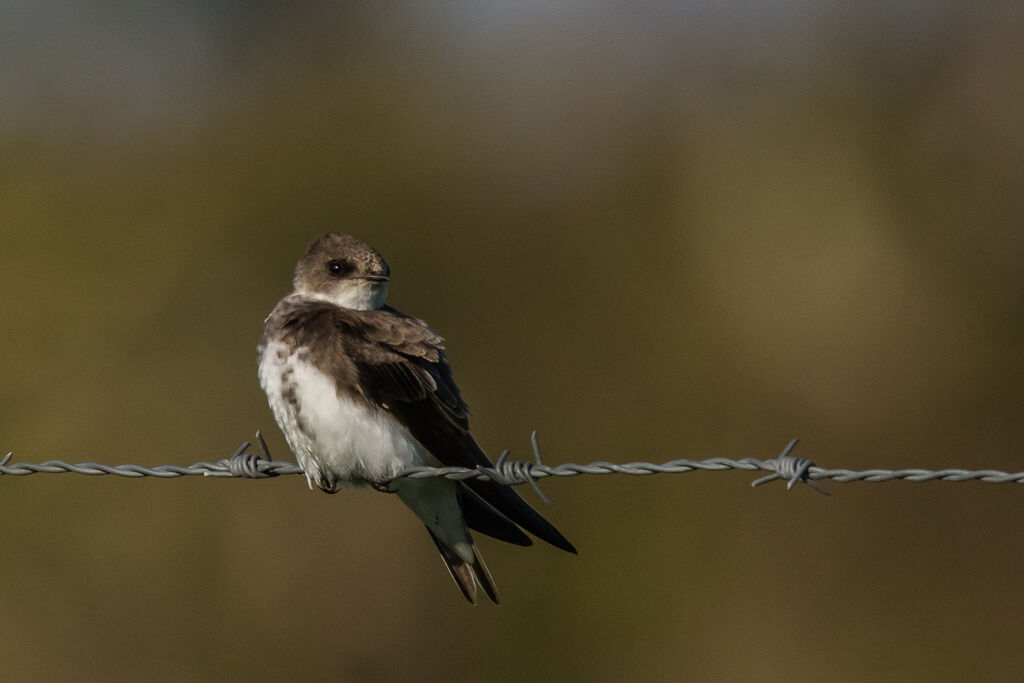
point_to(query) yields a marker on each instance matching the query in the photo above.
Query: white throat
(356, 295)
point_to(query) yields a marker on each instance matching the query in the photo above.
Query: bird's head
(344, 271)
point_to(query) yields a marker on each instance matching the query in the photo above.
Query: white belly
(336, 440)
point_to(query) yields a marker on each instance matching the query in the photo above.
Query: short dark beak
(376, 278)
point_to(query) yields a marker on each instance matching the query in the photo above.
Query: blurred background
(649, 231)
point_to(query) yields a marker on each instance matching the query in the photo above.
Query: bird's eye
(338, 268)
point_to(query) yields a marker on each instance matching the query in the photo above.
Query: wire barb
(242, 464)
(792, 469)
(512, 473)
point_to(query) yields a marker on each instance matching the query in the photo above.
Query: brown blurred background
(649, 231)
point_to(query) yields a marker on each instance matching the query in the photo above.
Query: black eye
(338, 268)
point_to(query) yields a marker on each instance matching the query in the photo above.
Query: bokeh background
(647, 230)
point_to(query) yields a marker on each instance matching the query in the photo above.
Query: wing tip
(511, 506)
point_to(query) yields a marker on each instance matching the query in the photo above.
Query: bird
(362, 392)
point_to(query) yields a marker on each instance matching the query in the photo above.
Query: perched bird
(362, 392)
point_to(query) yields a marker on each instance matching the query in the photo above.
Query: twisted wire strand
(786, 467)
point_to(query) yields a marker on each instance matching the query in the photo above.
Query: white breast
(336, 440)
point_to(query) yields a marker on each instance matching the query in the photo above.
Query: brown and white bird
(362, 392)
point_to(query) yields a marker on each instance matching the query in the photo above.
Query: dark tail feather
(481, 516)
(506, 501)
(483, 577)
(467, 576)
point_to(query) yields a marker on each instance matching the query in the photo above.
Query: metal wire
(240, 464)
(791, 469)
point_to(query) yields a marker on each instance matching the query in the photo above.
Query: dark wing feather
(403, 360)
(481, 516)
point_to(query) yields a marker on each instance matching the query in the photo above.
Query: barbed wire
(786, 467)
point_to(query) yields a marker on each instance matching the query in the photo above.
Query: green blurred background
(647, 230)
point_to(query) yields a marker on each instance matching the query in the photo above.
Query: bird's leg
(383, 487)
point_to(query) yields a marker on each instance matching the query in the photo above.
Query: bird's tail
(436, 503)
(467, 575)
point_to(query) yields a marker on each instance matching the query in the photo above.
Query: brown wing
(402, 363)
(403, 369)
